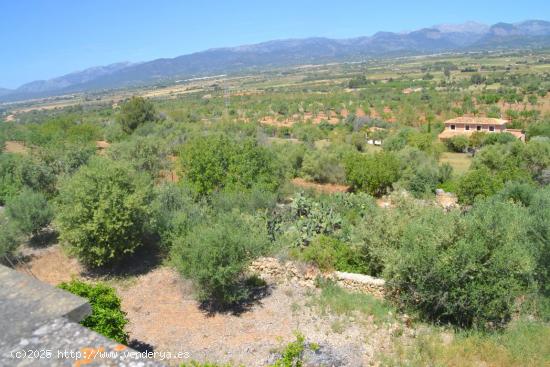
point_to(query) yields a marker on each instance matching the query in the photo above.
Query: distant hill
(439, 38)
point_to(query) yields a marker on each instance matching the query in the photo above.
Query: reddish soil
(325, 188)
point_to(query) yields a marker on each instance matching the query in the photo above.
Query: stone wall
(289, 272)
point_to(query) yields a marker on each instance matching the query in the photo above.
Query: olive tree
(102, 211)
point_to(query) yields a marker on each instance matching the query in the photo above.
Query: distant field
(459, 161)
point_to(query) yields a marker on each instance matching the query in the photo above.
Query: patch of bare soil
(10, 117)
(12, 146)
(165, 317)
(325, 188)
(164, 314)
(50, 265)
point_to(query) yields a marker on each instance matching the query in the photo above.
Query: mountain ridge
(291, 52)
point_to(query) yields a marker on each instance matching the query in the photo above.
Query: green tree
(215, 162)
(458, 143)
(102, 211)
(135, 112)
(373, 173)
(536, 155)
(478, 183)
(107, 318)
(468, 270)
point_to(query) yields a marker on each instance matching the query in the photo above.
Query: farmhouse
(468, 125)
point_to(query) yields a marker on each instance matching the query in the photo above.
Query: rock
(321, 356)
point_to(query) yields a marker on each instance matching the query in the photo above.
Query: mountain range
(469, 36)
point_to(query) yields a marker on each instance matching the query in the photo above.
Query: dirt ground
(13, 146)
(325, 188)
(165, 317)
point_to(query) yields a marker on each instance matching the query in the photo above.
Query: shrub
(310, 218)
(292, 354)
(102, 211)
(518, 192)
(373, 173)
(328, 253)
(458, 143)
(9, 236)
(466, 271)
(107, 318)
(144, 153)
(29, 211)
(478, 183)
(499, 138)
(539, 233)
(9, 183)
(174, 212)
(323, 167)
(378, 235)
(17, 171)
(536, 156)
(420, 172)
(214, 162)
(215, 254)
(135, 112)
(541, 128)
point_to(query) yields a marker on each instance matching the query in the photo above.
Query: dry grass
(13, 146)
(522, 344)
(324, 188)
(459, 161)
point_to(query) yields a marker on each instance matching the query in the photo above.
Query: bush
(102, 211)
(323, 167)
(373, 173)
(174, 213)
(29, 211)
(499, 138)
(420, 173)
(135, 112)
(478, 183)
(458, 143)
(539, 233)
(328, 253)
(379, 234)
(310, 218)
(9, 182)
(107, 318)
(215, 162)
(9, 236)
(536, 156)
(216, 253)
(465, 271)
(538, 129)
(17, 171)
(144, 153)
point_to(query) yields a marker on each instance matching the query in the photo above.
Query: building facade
(468, 125)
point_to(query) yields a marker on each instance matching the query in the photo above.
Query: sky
(42, 39)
